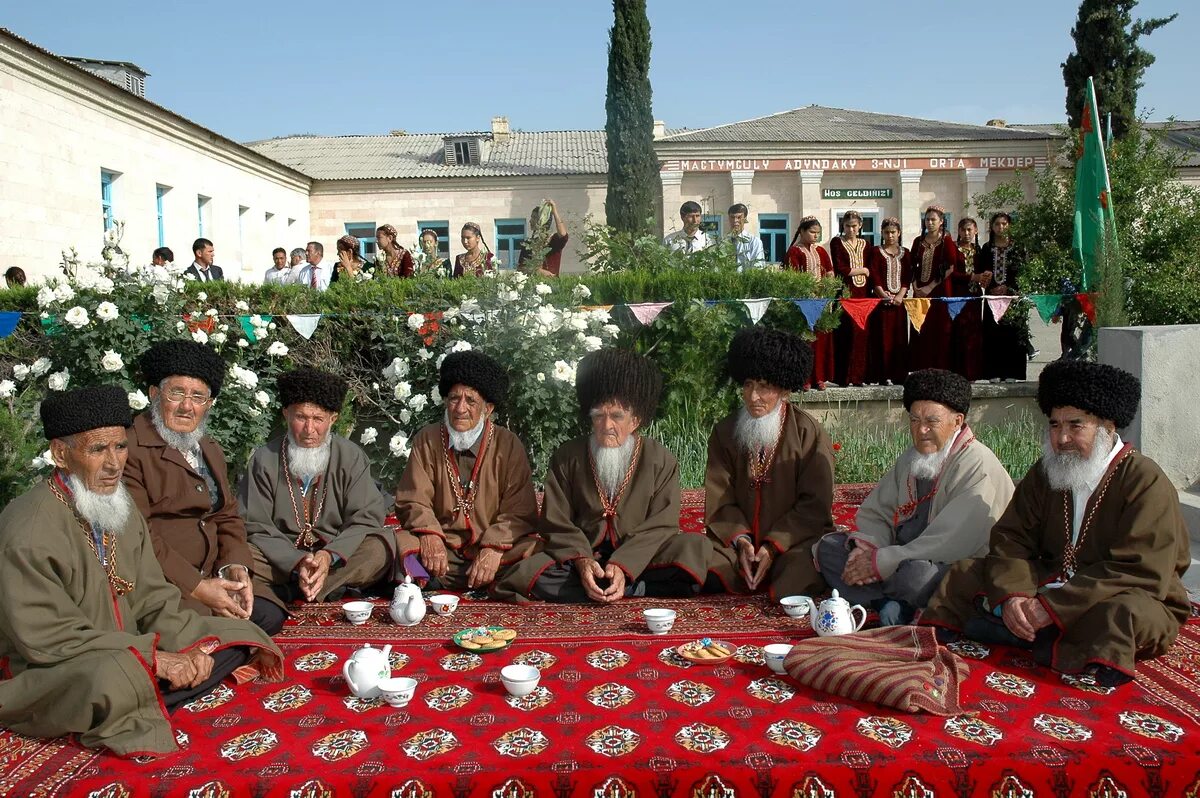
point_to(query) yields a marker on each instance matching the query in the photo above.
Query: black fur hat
(1102, 390)
(475, 370)
(938, 385)
(622, 376)
(310, 385)
(84, 409)
(181, 358)
(760, 353)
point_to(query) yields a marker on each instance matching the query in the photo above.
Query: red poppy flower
(837, 447)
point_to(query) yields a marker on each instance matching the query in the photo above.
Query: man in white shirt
(748, 247)
(297, 259)
(691, 238)
(202, 269)
(280, 273)
(315, 274)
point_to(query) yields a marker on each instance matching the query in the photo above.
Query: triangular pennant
(305, 323)
(860, 309)
(999, 305)
(1047, 305)
(248, 327)
(8, 322)
(918, 309)
(1088, 303)
(647, 312)
(756, 308)
(812, 309)
(954, 305)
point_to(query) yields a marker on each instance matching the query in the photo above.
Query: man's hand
(763, 558)
(745, 555)
(433, 555)
(223, 597)
(589, 571)
(616, 583)
(312, 571)
(1024, 617)
(860, 566)
(483, 569)
(183, 670)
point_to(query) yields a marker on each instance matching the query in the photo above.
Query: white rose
(200, 336)
(211, 312)
(396, 370)
(547, 318)
(519, 278)
(439, 360)
(580, 292)
(59, 380)
(43, 460)
(541, 376)
(368, 436)
(104, 286)
(509, 296)
(217, 338)
(138, 400)
(253, 412)
(277, 349)
(161, 294)
(112, 361)
(601, 315)
(107, 311)
(180, 326)
(244, 377)
(257, 320)
(241, 305)
(405, 416)
(402, 391)
(591, 343)
(263, 398)
(543, 289)
(224, 328)
(77, 317)
(399, 445)
(40, 366)
(46, 296)
(418, 402)
(562, 370)
(243, 343)
(20, 371)
(424, 353)
(415, 321)
(577, 321)
(460, 346)
(435, 396)
(271, 326)
(64, 293)
(203, 297)
(612, 330)
(7, 388)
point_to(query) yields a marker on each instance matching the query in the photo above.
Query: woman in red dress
(891, 278)
(852, 343)
(804, 255)
(933, 257)
(1006, 342)
(396, 260)
(966, 331)
(478, 256)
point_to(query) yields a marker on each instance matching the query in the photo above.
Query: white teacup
(520, 680)
(795, 606)
(357, 612)
(659, 621)
(775, 653)
(398, 690)
(444, 603)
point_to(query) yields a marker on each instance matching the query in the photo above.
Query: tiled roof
(818, 124)
(1181, 134)
(557, 152)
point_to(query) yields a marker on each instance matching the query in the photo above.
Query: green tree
(632, 164)
(1106, 48)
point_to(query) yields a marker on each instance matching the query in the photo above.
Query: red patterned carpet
(618, 714)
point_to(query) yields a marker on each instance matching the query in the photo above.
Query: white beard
(1069, 471)
(462, 441)
(928, 466)
(306, 463)
(104, 511)
(611, 463)
(755, 434)
(186, 442)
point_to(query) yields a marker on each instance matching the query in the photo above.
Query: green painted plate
(460, 637)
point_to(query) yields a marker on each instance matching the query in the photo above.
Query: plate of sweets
(484, 638)
(706, 651)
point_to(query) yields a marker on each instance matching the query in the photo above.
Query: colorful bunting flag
(954, 304)
(1047, 305)
(647, 312)
(812, 309)
(305, 323)
(756, 308)
(1094, 222)
(999, 305)
(8, 322)
(859, 309)
(248, 328)
(918, 309)
(1088, 303)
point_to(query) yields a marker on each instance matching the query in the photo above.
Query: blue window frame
(773, 229)
(510, 234)
(712, 223)
(442, 227)
(365, 233)
(870, 227)
(159, 193)
(201, 211)
(106, 198)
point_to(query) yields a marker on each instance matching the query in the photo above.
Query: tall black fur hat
(1102, 390)
(84, 409)
(181, 358)
(622, 376)
(475, 370)
(938, 385)
(310, 385)
(760, 353)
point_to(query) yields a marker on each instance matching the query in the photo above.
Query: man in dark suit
(202, 268)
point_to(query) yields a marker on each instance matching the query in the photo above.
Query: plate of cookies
(706, 651)
(484, 638)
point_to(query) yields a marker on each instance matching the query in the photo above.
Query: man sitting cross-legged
(934, 507)
(1084, 566)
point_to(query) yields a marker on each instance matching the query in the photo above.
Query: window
(267, 217)
(242, 248)
(461, 151)
(510, 234)
(202, 214)
(711, 223)
(773, 229)
(870, 226)
(365, 233)
(442, 228)
(159, 193)
(106, 197)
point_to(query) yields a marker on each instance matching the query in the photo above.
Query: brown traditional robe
(81, 658)
(788, 510)
(1125, 601)
(191, 539)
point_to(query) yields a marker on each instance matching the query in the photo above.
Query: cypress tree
(632, 164)
(1106, 47)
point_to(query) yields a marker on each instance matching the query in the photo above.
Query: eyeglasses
(175, 396)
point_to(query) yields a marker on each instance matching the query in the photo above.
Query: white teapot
(408, 608)
(366, 668)
(835, 616)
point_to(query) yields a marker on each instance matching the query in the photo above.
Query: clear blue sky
(261, 68)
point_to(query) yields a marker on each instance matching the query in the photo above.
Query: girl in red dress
(966, 331)
(933, 257)
(478, 256)
(891, 281)
(852, 343)
(1005, 343)
(804, 255)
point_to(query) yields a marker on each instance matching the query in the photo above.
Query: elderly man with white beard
(610, 516)
(92, 635)
(1085, 565)
(314, 515)
(934, 507)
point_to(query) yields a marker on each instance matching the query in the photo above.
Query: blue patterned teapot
(835, 616)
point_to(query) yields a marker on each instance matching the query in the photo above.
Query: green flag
(1093, 196)
(1047, 305)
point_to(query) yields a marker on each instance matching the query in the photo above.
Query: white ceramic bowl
(775, 653)
(398, 690)
(520, 680)
(795, 606)
(444, 603)
(659, 621)
(357, 612)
